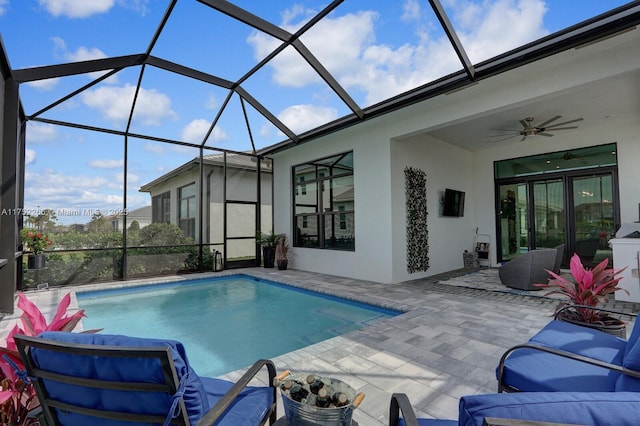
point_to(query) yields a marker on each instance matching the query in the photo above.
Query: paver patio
(446, 345)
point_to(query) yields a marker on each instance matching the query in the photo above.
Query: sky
(374, 48)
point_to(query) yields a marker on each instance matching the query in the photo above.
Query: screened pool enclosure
(145, 149)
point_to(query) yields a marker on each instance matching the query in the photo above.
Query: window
(161, 208)
(303, 187)
(324, 203)
(556, 162)
(187, 212)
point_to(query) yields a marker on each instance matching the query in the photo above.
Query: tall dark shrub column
(417, 232)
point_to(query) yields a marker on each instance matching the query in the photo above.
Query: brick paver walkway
(446, 344)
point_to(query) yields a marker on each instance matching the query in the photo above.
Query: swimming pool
(226, 323)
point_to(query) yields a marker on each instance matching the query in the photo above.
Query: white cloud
(82, 53)
(488, 35)
(3, 6)
(29, 156)
(195, 131)
(347, 45)
(76, 8)
(37, 132)
(106, 164)
(300, 118)
(140, 6)
(85, 54)
(55, 190)
(152, 107)
(212, 102)
(58, 43)
(45, 85)
(132, 178)
(337, 42)
(291, 17)
(154, 148)
(411, 10)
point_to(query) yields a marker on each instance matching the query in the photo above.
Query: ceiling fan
(529, 129)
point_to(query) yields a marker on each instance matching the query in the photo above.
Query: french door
(577, 210)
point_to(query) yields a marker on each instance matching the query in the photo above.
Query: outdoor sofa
(528, 409)
(565, 357)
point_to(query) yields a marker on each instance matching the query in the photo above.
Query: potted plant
(268, 244)
(17, 395)
(585, 289)
(36, 242)
(282, 251)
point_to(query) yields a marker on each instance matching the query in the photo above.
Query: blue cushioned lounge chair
(98, 379)
(564, 357)
(529, 409)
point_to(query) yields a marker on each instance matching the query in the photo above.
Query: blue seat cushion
(537, 371)
(249, 408)
(531, 370)
(593, 408)
(632, 362)
(633, 337)
(119, 370)
(581, 340)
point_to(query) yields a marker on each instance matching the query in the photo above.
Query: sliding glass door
(532, 215)
(549, 212)
(571, 209)
(594, 217)
(564, 197)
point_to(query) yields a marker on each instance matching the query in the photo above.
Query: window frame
(335, 216)
(188, 224)
(161, 213)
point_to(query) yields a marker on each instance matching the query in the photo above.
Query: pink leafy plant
(588, 287)
(17, 395)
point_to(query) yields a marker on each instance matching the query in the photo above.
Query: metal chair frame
(170, 385)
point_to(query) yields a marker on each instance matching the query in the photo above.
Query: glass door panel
(548, 213)
(593, 215)
(241, 234)
(513, 220)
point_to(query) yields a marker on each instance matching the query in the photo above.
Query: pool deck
(446, 344)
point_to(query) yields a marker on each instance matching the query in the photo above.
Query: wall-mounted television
(453, 203)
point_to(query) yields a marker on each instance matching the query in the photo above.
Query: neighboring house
(174, 198)
(141, 215)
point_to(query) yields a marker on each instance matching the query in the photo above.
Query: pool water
(226, 323)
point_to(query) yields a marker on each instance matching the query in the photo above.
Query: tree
(45, 220)
(163, 234)
(99, 223)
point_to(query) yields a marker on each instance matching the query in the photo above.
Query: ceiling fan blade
(523, 138)
(551, 120)
(544, 134)
(563, 123)
(553, 129)
(506, 130)
(525, 124)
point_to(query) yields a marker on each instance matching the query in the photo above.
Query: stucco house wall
(384, 146)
